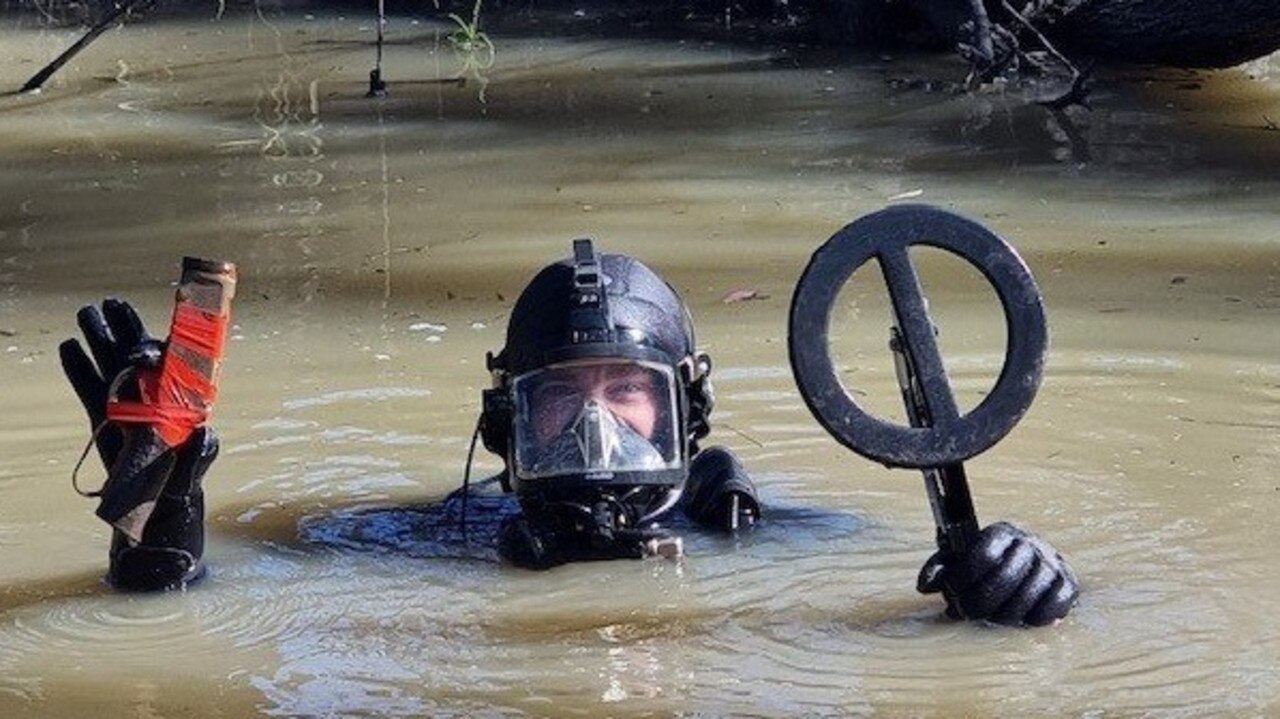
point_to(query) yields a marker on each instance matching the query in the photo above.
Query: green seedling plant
(474, 47)
(470, 39)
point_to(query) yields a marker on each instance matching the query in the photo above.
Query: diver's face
(628, 392)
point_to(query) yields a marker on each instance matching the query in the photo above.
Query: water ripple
(368, 394)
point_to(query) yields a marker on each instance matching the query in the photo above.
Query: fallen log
(1181, 33)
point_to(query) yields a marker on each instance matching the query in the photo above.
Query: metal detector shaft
(947, 486)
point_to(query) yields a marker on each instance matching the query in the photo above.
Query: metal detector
(939, 438)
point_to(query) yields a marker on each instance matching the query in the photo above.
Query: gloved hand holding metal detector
(1000, 573)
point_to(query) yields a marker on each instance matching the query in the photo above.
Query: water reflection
(287, 109)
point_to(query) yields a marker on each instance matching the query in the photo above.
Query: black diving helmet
(598, 389)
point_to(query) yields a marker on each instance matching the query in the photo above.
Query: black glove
(520, 544)
(1008, 577)
(169, 555)
(173, 540)
(716, 479)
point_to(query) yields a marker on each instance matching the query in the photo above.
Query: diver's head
(599, 389)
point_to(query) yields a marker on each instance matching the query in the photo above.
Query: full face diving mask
(606, 421)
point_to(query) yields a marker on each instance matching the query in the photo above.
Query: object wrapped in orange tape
(173, 399)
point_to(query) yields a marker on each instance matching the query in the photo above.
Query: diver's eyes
(557, 392)
(630, 390)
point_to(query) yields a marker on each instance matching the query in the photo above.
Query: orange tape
(177, 398)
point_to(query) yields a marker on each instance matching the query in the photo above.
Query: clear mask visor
(596, 416)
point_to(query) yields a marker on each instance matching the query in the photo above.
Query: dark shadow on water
(1138, 125)
(437, 529)
(433, 528)
(461, 526)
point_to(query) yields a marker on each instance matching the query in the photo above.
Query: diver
(599, 401)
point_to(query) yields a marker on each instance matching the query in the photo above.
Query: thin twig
(1076, 94)
(1040, 36)
(742, 434)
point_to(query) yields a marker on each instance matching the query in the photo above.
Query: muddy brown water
(381, 245)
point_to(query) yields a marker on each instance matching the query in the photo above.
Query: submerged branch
(37, 80)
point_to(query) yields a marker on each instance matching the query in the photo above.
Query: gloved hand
(519, 544)
(716, 480)
(169, 554)
(1008, 577)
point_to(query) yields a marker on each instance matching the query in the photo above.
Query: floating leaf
(744, 294)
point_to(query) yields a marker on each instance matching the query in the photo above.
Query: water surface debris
(744, 294)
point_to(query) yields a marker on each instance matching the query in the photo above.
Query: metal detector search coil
(942, 436)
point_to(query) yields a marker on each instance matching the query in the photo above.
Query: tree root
(1003, 41)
